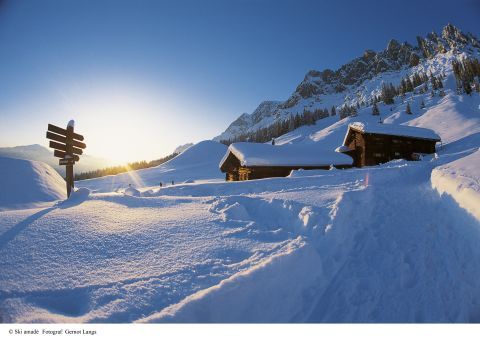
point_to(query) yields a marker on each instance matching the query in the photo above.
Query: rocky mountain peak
(319, 84)
(393, 46)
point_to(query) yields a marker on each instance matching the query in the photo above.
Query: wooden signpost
(68, 145)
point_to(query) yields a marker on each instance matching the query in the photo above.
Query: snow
(461, 180)
(395, 130)
(391, 243)
(181, 148)
(256, 154)
(198, 162)
(132, 192)
(336, 246)
(343, 148)
(28, 183)
(71, 123)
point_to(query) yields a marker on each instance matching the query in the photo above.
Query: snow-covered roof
(394, 130)
(343, 148)
(256, 154)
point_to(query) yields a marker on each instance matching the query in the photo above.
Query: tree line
(282, 127)
(467, 75)
(115, 170)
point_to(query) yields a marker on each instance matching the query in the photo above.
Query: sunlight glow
(123, 124)
(136, 179)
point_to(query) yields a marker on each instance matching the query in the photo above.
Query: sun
(121, 125)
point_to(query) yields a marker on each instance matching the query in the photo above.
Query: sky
(142, 77)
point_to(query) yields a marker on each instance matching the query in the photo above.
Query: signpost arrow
(63, 139)
(68, 145)
(64, 147)
(62, 154)
(66, 162)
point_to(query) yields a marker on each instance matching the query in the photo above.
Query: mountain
(359, 81)
(36, 152)
(263, 116)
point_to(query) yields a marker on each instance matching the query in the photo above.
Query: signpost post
(68, 145)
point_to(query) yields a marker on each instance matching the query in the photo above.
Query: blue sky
(141, 77)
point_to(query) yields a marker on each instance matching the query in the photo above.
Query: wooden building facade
(374, 144)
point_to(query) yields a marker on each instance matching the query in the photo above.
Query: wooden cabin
(376, 143)
(245, 161)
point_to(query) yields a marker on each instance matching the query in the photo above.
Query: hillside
(197, 162)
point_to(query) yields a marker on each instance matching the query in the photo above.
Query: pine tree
(408, 110)
(333, 111)
(409, 85)
(467, 87)
(388, 93)
(433, 80)
(375, 110)
(425, 88)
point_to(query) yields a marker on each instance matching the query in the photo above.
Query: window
(397, 153)
(377, 155)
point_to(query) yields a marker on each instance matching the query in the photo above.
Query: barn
(376, 143)
(245, 161)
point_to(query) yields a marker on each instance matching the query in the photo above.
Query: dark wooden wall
(373, 149)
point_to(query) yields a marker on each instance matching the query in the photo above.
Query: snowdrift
(26, 183)
(461, 180)
(198, 162)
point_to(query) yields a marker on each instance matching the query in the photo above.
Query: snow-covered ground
(391, 243)
(196, 162)
(373, 244)
(461, 180)
(28, 183)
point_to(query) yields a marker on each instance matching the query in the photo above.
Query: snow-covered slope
(27, 183)
(181, 148)
(198, 162)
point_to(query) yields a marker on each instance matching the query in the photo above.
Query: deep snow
(199, 161)
(461, 180)
(391, 243)
(28, 183)
(375, 244)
